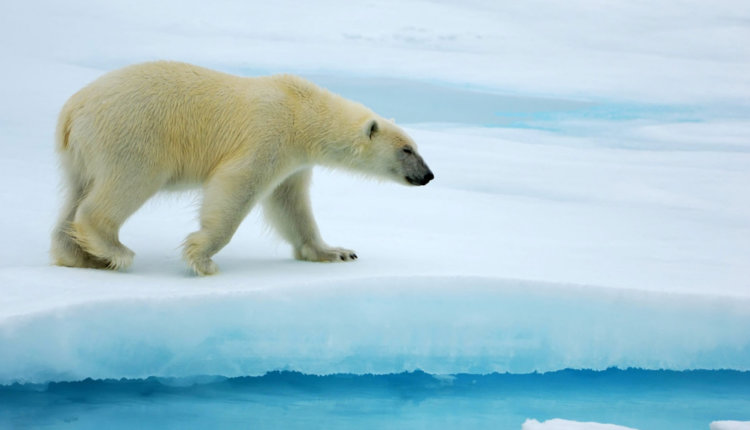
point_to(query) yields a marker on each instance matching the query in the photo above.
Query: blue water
(643, 399)
(411, 101)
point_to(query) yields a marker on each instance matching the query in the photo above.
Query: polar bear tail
(62, 133)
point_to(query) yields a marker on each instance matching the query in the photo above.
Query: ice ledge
(380, 326)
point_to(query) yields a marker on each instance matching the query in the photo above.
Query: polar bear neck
(326, 125)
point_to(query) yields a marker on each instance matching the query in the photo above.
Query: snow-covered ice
(730, 425)
(590, 208)
(501, 265)
(559, 424)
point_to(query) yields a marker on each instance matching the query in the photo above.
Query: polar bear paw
(204, 267)
(196, 256)
(322, 253)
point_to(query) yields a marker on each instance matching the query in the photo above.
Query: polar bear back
(182, 118)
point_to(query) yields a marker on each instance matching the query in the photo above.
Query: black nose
(421, 181)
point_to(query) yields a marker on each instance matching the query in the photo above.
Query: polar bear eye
(407, 150)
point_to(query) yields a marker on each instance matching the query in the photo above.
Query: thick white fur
(158, 125)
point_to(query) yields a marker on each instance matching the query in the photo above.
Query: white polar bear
(158, 125)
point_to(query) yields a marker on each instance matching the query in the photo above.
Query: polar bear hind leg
(103, 210)
(65, 250)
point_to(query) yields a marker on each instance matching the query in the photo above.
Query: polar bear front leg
(288, 209)
(227, 199)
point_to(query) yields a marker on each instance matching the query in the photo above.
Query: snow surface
(558, 424)
(590, 208)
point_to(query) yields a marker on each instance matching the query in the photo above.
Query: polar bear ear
(371, 127)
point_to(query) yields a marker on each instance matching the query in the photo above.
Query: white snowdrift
(730, 425)
(559, 424)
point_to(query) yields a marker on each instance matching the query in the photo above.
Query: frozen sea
(581, 261)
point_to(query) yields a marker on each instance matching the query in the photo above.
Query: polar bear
(245, 141)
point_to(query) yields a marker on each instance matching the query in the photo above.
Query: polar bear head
(385, 150)
(343, 133)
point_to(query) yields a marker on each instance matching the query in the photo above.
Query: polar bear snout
(417, 172)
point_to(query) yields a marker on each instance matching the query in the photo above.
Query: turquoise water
(422, 102)
(647, 400)
(412, 101)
